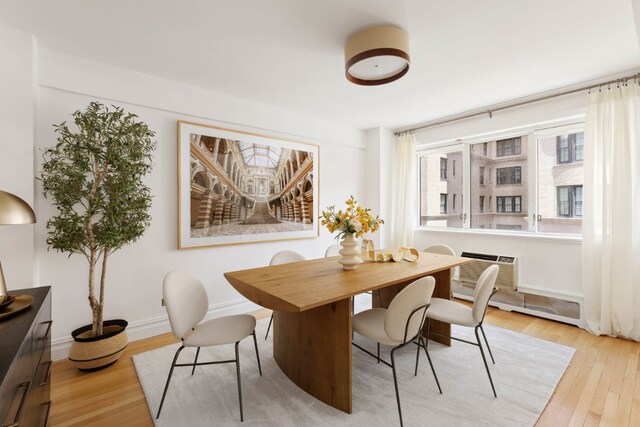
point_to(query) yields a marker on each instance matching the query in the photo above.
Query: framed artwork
(240, 187)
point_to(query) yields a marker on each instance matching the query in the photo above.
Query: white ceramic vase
(349, 252)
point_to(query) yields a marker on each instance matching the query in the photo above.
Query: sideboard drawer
(41, 334)
(15, 388)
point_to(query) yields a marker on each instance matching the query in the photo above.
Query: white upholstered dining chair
(459, 314)
(333, 250)
(187, 304)
(283, 257)
(441, 249)
(399, 325)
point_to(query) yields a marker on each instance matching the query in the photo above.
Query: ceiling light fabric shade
(377, 55)
(14, 210)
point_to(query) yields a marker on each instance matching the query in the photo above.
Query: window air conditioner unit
(507, 276)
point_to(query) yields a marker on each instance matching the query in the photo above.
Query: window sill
(565, 238)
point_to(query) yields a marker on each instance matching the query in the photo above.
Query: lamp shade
(14, 210)
(377, 55)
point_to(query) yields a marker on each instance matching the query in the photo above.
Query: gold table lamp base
(3, 284)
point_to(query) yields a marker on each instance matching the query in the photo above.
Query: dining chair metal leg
(432, 368)
(485, 340)
(425, 343)
(418, 356)
(395, 383)
(166, 386)
(255, 343)
(268, 328)
(378, 352)
(239, 381)
(195, 362)
(484, 359)
(426, 340)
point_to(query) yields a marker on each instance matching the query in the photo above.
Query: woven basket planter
(94, 353)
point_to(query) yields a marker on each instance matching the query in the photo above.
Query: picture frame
(237, 187)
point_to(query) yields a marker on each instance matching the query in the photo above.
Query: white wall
(548, 266)
(379, 158)
(17, 103)
(135, 273)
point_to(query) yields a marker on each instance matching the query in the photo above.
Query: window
(508, 227)
(441, 198)
(532, 182)
(563, 201)
(563, 148)
(506, 176)
(570, 147)
(443, 168)
(579, 150)
(560, 179)
(508, 147)
(570, 201)
(577, 201)
(508, 172)
(508, 204)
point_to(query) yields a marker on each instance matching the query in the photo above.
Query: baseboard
(159, 325)
(508, 307)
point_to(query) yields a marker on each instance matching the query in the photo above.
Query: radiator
(507, 276)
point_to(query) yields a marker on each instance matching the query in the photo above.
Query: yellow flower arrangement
(354, 220)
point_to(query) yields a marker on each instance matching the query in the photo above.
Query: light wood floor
(600, 387)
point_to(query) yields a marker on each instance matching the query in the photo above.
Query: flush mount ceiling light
(377, 55)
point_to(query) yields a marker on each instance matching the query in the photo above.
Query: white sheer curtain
(611, 222)
(404, 191)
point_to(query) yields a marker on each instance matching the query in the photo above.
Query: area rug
(526, 373)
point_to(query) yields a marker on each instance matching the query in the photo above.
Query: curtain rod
(490, 111)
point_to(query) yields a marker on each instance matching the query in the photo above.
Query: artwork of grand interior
(244, 187)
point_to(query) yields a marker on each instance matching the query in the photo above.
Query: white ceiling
(289, 53)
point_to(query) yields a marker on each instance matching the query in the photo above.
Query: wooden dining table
(311, 303)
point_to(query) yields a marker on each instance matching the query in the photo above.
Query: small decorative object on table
(350, 224)
(369, 253)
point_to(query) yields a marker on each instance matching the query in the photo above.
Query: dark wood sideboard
(25, 362)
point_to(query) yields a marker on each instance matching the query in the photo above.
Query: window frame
(511, 204)
(517, 169)
(443, 176)
(512, 146)
(443, 205)
(571, 200)
(574, 124)
(572, 149)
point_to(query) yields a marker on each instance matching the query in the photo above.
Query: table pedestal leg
(313, 349)
(442, 290)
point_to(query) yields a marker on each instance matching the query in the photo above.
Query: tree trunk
(103, 273)
(92, 298)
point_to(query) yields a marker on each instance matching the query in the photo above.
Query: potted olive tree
(93, 176)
